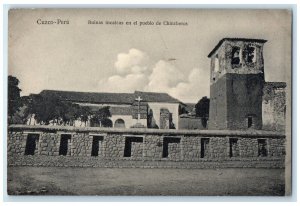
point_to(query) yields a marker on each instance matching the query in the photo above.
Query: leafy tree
(71, 113)
(84, 114)
(102, 116)
(14, 98)
(51, 109)
(20, 117)
(45, 108)
(106, 122)
(202, 110)
(202, 107)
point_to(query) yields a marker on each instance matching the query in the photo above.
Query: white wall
(129, 121)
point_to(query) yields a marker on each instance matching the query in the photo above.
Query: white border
(157, 4)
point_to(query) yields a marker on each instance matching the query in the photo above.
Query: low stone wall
(110, 147)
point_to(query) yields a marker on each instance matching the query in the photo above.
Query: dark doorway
(250, 121)
(204, 147)
(64, 143)
(31, 142)
(96, 145)
(233, 147)
(128, 143)
(262, 148)
(166, 142)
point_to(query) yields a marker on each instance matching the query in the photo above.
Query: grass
(129, 181)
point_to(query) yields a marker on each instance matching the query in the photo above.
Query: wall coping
(141, 131)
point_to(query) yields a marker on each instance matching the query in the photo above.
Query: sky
(123, 58)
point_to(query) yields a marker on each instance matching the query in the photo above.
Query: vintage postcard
(180, 102)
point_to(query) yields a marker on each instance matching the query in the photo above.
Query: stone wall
(137, 150)
(49, 144)
(143, 145)
(274, 106)
(164, 119)
(190, 123)
(16, 143)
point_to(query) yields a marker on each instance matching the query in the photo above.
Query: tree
(71, 113)
(202, 110)
(102, 116)
(84, 113)
(51, 109)
(45, 108)
(202, 107)
(14, 98)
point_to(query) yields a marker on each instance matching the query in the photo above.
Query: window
(120, 123)
(96, 145)
(166, 142)
(204, 147)
(235, 56)
(249, 54)
(64, 144)
(31, 142)
(217, 64)
(233, 147)
(250, 121)
(128, 145)
(262, 148)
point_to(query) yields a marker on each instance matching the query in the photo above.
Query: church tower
(236, 84)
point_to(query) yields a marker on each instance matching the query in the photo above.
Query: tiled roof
(110, 98)
(155, 97)
(115, 110)
(91, 97)
(235, 39)
(120, 110)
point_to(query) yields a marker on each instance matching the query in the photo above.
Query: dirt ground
(115, 181)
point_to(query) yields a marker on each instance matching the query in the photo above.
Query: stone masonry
(146, 145)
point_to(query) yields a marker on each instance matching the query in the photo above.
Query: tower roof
(234, 39)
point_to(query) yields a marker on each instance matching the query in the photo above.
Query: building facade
(138, 109)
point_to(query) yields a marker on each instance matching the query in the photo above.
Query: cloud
(132, 62)
(117, 83)
(194, 88)
(133, 73)
(164, 76)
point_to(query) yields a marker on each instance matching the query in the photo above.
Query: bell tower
(236, 84)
